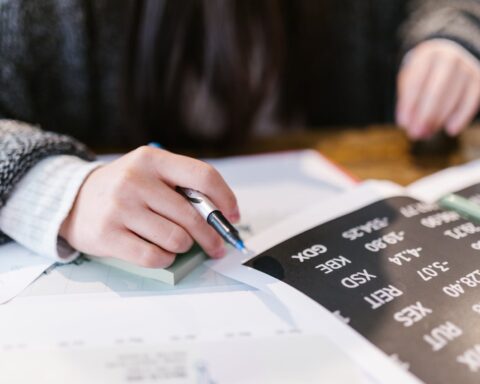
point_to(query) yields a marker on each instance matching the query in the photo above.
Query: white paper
(433, 187)
(227, 331)
(282, 359)
(18, 268)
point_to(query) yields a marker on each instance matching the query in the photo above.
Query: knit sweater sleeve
(455, 20)
(22, 146)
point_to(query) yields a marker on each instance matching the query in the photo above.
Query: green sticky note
(183, 265)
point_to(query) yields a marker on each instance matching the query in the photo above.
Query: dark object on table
(439, 144)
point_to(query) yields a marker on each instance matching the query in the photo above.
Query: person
(198, 72)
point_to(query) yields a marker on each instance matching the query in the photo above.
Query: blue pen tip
(241, 247)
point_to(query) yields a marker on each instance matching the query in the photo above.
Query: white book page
(433, 187)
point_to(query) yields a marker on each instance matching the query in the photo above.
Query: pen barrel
(223, 227)
(213, 216)
(199, 201)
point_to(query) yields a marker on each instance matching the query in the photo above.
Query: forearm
(40, 202)
(22, 147)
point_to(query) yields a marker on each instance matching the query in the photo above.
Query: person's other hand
(438, 87)
(129, 209)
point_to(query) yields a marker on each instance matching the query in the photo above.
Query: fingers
(466, 110)
(168, 203)
(450, 104)
(411, 81)
(160, 231)
(129, 247)
(439, 87)
(129, 209)
(426, 116)
(177, 170)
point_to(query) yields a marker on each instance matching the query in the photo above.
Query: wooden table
(379, 152)
(375, 152)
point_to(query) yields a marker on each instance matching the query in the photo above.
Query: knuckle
(117, 203)
(111, 210)
(125, 179)
(178, 240)
(141, 153)
(208, 175)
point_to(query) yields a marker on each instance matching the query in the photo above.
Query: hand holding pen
(130, 209)
(212, 215)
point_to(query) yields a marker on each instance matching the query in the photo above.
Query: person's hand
(129, 209)
(438, 87)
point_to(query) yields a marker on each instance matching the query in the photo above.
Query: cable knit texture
(22, 146)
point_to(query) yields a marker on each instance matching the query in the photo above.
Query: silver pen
(214, 217)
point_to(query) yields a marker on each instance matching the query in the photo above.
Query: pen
(212, 215)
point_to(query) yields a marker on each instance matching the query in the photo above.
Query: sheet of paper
(282, 359)
(238, 335)
(18, 269)
(303, 310)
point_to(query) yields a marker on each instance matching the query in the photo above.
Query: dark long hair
(198, 71)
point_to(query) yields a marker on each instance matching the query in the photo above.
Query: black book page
(404, 274)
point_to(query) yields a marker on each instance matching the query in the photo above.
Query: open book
(385, 272)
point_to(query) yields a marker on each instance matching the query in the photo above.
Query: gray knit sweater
(60, 66)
